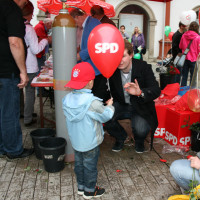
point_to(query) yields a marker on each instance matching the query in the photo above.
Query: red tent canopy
(54, 6)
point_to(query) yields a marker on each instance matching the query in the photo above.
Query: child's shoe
(97, 193)
(80, 192)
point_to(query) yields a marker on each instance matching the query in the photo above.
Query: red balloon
(106, 48)
(171, 35)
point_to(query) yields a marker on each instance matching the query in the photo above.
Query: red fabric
(41, 33)
(182, 104)
(170, 91)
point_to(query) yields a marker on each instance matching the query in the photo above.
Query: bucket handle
(198, 137)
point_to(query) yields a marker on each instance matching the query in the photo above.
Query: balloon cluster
(168, 32)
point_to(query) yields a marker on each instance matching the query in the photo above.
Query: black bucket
(53, 153)
(39, 135)
(195, 141)
(166, 79)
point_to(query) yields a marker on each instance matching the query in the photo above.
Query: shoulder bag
(179, 61)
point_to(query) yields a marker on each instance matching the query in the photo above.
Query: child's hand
(109, 102)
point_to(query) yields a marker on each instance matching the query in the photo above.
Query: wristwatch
(141, 94)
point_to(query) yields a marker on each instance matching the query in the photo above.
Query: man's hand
(133, 88)
(195, 162)
(78, 57)
(24, 80)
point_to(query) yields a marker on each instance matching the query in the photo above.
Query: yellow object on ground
(186, 197)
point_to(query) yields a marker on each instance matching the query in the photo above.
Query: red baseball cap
(81, 74)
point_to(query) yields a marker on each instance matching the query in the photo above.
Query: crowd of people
(133, 88)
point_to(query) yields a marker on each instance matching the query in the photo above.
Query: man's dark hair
(76, 12)
(28, 9)
(128, 46)
(181, 24)
(194, 26)
(122, 26)
(97, 10)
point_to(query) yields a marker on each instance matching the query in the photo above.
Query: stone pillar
(152, 24)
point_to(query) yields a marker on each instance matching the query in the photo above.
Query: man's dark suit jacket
(105, 19)
(145, 107)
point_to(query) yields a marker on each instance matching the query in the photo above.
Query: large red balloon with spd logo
(106, 48)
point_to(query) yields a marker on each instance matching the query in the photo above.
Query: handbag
(179, 61)
(143, 51)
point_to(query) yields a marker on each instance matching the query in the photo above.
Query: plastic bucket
(195, 141)
(53, 153)
(39, 135)
(166, 79)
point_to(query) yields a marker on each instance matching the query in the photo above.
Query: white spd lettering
(185, 140)
(169, 137)
(104, 47)
(159, 132)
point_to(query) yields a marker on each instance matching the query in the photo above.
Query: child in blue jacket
(85, 114)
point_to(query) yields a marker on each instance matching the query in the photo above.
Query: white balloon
(187, 17)
(193, 15)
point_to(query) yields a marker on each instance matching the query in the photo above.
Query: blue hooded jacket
(85, 114)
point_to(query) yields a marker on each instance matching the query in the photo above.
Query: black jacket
(145, 107)
(175, 44)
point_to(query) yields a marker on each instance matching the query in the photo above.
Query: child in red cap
(85, 114)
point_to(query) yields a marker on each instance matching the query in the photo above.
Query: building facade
(150, 16)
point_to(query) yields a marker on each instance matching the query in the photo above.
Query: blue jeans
(188, 67)
(10, 129)
(86, 169)
(140, 126)
(183, 173)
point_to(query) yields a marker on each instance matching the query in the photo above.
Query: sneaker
(80, 192)
(33, 121)
(118, 146)
(34, 115)
(141, 149)
(25, 153)
(96, 194)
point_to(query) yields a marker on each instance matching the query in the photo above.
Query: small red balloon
(171, 35)
(189, 156)
(163, 160)
(106, 48)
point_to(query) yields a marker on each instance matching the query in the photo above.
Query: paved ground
(125, 175)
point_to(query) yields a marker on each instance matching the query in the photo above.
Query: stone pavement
(125, 175)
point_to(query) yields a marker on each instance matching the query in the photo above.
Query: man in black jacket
(176, 40)
(175, 45)
(134, 102)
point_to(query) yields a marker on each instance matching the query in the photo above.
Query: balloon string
(109, 87)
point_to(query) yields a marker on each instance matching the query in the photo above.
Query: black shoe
(80, 192)
(118, 146)
(2, 155)
(30, 123)
(139, 148)
(34, 115)
(21, 116)
(25, 153)
(97, 193)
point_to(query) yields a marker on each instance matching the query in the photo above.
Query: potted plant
(195, 136)
(168, 76)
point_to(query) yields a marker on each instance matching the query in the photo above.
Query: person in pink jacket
(191, 58)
